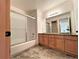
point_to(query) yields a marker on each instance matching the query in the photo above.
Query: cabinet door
(41, 39)
(71, 46)
(60, 43)
(46, 37)
(52, 41)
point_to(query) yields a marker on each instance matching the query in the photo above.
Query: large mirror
(60, 24)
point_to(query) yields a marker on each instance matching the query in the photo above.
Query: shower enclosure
(23, 28)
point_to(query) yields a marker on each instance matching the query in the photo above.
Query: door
(18, 28)
(4, 26)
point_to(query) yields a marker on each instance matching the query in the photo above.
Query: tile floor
(40, 52)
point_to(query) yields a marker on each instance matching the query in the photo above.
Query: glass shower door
(18, 28)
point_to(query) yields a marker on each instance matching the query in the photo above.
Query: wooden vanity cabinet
(71, 45)
(52, 42)
(59, 42)
(65, 43)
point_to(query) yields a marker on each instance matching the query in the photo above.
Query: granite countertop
(59, 34)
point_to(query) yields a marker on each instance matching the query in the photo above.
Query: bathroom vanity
(64, 43)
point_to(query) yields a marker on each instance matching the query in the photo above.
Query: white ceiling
(34, 4)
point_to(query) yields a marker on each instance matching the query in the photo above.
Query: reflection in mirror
(65, 25)
(47, 27)
(54, 27)
(60, 24)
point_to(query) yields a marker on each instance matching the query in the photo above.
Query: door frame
(4, 27)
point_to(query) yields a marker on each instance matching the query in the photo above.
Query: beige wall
(41, 22)
(60, 9)
(75, 14)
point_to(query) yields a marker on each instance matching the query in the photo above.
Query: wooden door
(4, 26)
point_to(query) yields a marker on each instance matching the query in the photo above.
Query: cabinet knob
(7, 33)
